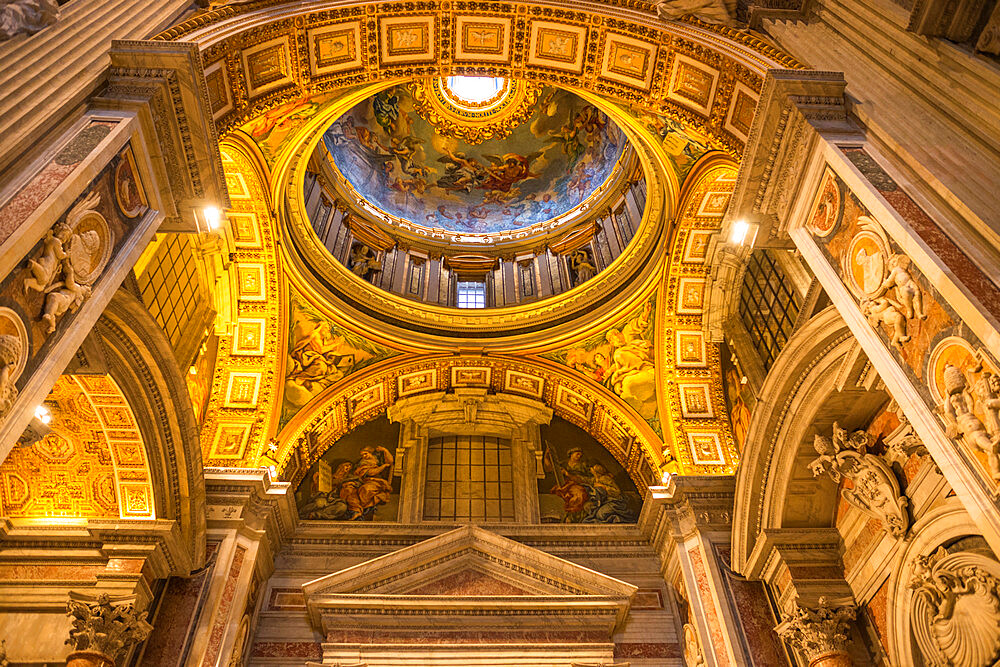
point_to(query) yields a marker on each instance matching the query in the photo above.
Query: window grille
(471, 294)
(769, 306)
(469, 478)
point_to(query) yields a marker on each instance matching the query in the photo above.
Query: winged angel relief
(956, 609)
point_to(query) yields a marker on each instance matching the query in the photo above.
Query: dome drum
(518, 273)
(411, 183)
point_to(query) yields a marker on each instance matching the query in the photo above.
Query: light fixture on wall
(743, 233)
(267, 459)
(43, 415)
(37, 429)
(213, 216)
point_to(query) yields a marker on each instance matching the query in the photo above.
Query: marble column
(693, 523)
(249, 518)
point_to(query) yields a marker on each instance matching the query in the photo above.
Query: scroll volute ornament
(103, 629)
(875, 490)
(955, 615)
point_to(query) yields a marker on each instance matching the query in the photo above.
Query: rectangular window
(768, 306)
(471, 294)
(469, 478)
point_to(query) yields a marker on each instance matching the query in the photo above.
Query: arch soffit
(141, 362)
(344, 406)
(703, 75)
(689, 367)
(803, 376)
(96, 441)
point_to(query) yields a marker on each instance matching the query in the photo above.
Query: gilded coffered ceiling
(312, 350)
(92, 462)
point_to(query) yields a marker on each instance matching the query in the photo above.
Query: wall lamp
(743, 233)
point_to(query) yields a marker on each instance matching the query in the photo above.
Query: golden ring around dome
(474, 123)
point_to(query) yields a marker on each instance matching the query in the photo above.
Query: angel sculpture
(67, 295)
(67, 264)
(709, 11)
(882, 310)
(45, 265)
(962, 421)
(907, 292)
(26, 16)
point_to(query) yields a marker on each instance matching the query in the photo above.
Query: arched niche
(140, 360)
(818, 378)
(943, 526)
(343, 406)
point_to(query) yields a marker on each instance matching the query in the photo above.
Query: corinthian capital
(817, 632)
(105, 626)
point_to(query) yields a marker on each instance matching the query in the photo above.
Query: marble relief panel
(25, 200)
(947, 364)
(42, 294)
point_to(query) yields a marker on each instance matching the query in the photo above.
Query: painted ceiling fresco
(319, 354)
(621, 359)
(547, 165)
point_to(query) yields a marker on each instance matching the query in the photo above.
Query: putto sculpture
(71, 258)
(26, 17)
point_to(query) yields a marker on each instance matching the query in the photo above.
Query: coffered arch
(816, 381)
(140, 361)
(260, 55)
(347, 404)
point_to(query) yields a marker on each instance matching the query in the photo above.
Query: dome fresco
(406, 166)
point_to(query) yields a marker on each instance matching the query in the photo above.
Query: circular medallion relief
(90, 247)
(13, 328)
(827, 210)
(956, 352)
(865, 261)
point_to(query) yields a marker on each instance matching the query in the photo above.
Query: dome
(474, 154)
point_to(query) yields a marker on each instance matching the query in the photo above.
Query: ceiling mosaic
(405, 162)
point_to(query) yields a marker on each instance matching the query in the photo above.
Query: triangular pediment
(468, 572)
(469, 554)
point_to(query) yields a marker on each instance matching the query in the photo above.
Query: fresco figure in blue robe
(588, 491)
